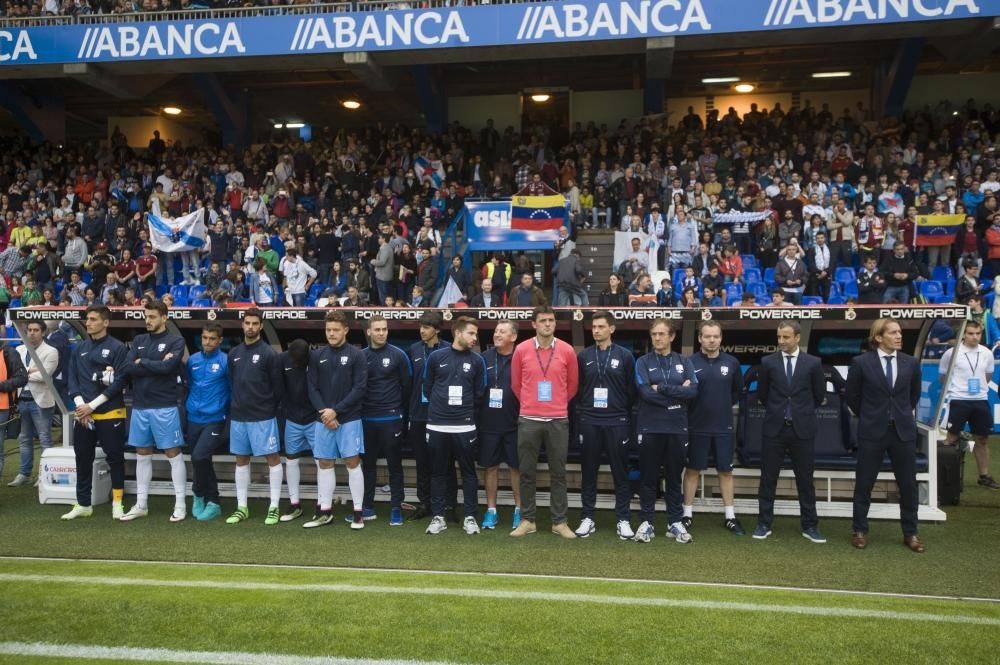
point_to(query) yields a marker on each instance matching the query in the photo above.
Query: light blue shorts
(161, 427)
(254, 439)
(299, 438)
(347, 440)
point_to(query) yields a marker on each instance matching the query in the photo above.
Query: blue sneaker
(368, 514)
(517, 518)
(396, 517)
(211, 511)
(812, 534)
(197, 506)
(490, 519)
(761, 532)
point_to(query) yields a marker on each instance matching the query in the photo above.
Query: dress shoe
(563, 530)
(914, 543)
(524, 528)
(422, 511)
(860, 540)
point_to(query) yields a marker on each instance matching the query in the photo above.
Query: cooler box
(57, 477)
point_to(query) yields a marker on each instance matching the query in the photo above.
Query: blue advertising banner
(488, 225)
(484, 25)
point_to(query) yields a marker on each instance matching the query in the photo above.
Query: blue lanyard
(602, 368)
(659, 362)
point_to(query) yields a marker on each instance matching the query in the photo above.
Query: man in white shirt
(968, 396)
(167, 181)
(35, 401)
(814, 207)
(299, 276)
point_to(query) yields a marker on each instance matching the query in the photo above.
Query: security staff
(454, 379)
(791, 386)
(883, 388)
(300, 419)
(154, 365)
(498, 422)
(390, 376)
(710, 420)
(667, 383)
(603, 403)
(96, 379)
(207, 408)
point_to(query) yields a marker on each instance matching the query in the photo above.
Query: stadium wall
(139, 129)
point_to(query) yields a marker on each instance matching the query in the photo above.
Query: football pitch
(95, 591)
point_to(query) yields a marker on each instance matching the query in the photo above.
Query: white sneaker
(135, 513)
(78, 511)
(117, 510)
(436, 526)
(20, 480)
(645, 533)
(470, 526)
(180, 512)
(679, 533)
(625, 530)
(586, 528)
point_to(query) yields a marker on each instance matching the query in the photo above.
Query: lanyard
(971, 366)
(499, 368)
(664, 372)
(538, 357)
(602, 367)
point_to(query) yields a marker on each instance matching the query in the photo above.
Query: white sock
(326, 481)
(242, 485)
(143, 477)
(274, 476)
(292, 476)
(178, 474)
(688, 511)
(730, 513)
(356, 480)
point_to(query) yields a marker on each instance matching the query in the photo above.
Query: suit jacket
(806, 392)
(869, 397)
(50, 361)
(495, 301)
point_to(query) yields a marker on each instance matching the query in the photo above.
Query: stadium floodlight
(745, 88)
(351, 104)
(721, 79)
(541, 97)
(171, 110)
(278, 125)
(831, 75)
(295, 125)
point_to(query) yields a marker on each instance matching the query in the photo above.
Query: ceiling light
(295, 125)
(352, 104)
(744, 88)
(171, 110)
(722, 79)
(278, 125)
(541, 98)
(831, 75)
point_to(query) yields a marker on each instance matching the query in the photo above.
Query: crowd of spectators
(345, 217)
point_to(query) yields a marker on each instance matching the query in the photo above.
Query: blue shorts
(299, 438)
(699, 446)
(161, 427)
(348, 440)
(497, 447)
(254, 439)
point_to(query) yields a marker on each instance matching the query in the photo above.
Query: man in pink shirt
(544, 377)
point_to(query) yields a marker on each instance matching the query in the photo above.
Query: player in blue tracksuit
(498, 422)
(667, 383)
(338, 379)
(710, 421)
(300, 419)
(255, 382)
(454, 380)
(390, 376)
(430, 341)
(96, 381)
(206, 406)
(603, 403)
(154, 366)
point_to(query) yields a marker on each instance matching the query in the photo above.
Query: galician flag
(181, 234)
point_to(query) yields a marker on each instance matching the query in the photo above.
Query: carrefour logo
(787, 12)
(157, 39)
(15, 44)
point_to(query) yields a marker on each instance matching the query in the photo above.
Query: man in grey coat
(384, 266)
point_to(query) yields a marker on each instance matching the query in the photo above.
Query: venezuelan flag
(937, 230)
(538, 213)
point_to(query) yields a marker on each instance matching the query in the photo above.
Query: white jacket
(41, 393)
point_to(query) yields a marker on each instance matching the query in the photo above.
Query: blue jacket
(418, 401)
(613, 369)
(664, 410)
(446, 371)
(208, 388)
(255, 377)
(155, 380)
(720, 381)
(503, 419)
(390, 375)
(338, 380)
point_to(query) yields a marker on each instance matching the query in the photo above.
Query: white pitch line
(528, 576)
(492, 594)
(80, 651)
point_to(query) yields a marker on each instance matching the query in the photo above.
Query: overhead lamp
(171, 110)
(831, 75)
(745, 88)
(541, 98)
(295, 125)
(278, 125)
(351, 104)
(722, 79)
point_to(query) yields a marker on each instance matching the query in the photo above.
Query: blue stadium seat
(850, 289)
(734, 288)
(763, 300)
(749, 261)
(751, 275)
(758, 289)
(845, 274)
(949, 287)
(769, 275)
(179, 291)
(836, 300)
(942, 273)
(943, 299)
(181, 301)
(930, 288)
(316, 289)
(202, 302)
(811, 301)
(733, 300)
(160, 290)
(835, 289)
(15, 302)
(678, 275)
(196, 291)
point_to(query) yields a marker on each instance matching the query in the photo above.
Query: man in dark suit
(487, 298)
(790, 385)
(883, 388)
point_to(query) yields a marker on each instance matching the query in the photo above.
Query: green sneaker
(273, 516)
(197, 505)
(241, 514)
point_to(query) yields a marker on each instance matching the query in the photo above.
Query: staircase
(597, 249)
